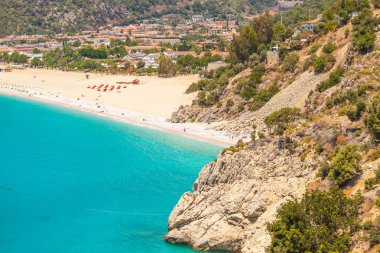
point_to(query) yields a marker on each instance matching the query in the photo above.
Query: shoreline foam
(197, 131)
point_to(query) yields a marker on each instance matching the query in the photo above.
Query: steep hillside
(237, 113)
(239, 193)
(320, 136)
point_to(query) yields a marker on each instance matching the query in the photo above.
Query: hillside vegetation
(248, 82)
(55, 16)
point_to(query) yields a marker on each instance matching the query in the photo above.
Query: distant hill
(54, 16)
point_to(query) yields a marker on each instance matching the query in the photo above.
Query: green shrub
(333, 80)
(374, 235)
(364, 36)
(370, 183)
(261, 135)
(329, 48)
(352, 114)
(248, 92)
(248, 88)
(237, 68)
(346, 32)
(372, 120)
(324, 169)
(355, 112)
(374, 155)
(257, 74)
(256, 105)
(323, 63)
(230, 103)
(256, 77)
(309, 62)
(290, 62)
(261, 97)
(223, 80)
(349, 96)
(324, 85)
(236, 148)
(345, 165)
(377, 174)
(210, 86)
(336, 75)
(206, 99)
(280, 120)
(364, 42)
(314, 48)
(200, 85)
(377, 203)
(320, 222)
(265, 95)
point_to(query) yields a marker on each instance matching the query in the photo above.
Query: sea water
(74, 182)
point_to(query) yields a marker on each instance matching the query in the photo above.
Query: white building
(197, 18)
(151, 60)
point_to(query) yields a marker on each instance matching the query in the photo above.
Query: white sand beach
(148, 104)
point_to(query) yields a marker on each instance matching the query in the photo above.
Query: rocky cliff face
(236, 195)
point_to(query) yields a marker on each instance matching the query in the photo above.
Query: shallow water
(73, 182)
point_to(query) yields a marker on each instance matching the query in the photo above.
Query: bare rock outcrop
(236, 196)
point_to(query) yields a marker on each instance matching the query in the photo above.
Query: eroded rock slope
(236, 195)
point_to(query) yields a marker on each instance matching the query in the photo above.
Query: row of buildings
(148, 33)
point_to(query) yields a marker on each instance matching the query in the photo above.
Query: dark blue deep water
(72, 182)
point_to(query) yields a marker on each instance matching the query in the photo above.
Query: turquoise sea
(73, 182)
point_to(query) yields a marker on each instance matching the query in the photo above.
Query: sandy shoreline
(155, 120)
(154, 96)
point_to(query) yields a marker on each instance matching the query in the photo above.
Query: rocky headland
(236, 196)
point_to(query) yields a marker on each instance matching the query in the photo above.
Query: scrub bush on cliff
(345, 165)
(321, 222)
(364, 36)
(290, 62)
(329, 48)
(323, 63)
(334, 79)
(280, 120)
(372, 120)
